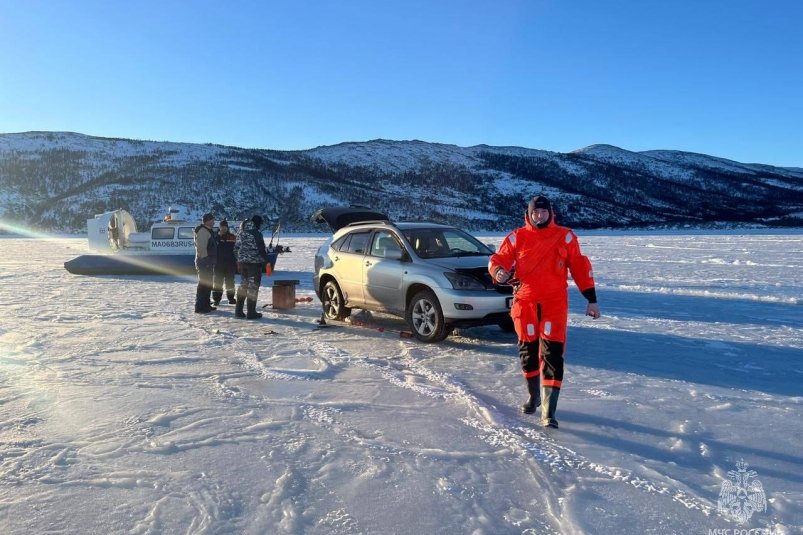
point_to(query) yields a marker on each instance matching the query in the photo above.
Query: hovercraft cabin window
(185, 233)
(162, 233)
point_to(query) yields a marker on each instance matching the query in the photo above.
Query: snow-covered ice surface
(121, 411)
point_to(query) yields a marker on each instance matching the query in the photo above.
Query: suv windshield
(444, 243)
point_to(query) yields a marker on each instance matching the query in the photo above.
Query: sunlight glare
(28, 232)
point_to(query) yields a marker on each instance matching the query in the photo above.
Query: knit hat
(257, 221)
(223, 223)
(539, 202)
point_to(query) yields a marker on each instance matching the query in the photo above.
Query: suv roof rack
(426, 221)
(372, 222)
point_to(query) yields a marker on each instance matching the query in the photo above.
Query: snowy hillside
(404, 156)
(125, 413)
(55, 180)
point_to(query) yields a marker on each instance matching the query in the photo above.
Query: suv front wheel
(506, 324)
(334, 307)
(425, 317)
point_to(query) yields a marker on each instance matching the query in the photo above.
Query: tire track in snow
(340, 519)
(397, 371)
(499, 430)
(492, 425)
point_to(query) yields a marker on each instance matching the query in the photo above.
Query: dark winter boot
(201, 307)
(207, 299)
(549, 407)
(238, 310)
(534, 400)
(216, 295)
(252, 314)
(230, 295)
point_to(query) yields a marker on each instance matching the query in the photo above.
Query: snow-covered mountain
(55, 180)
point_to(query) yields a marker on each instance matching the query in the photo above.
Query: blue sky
(718, 77)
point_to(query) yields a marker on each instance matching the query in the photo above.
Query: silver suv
(435, 276)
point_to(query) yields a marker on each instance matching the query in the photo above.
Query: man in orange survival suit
(540, 253)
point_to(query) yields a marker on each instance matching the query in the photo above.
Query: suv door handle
(337, 258)
(367, 262)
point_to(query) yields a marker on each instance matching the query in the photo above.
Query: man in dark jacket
(249, 248)
(226, 265)
(205, 256)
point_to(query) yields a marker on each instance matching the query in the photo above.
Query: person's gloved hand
(502, 276)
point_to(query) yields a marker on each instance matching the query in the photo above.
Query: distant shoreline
(580, 232)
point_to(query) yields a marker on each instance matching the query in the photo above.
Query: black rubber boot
(251, 306)
(206, 298)
(549, 407)
(230, 295)
(216, 295)
(238, 310)
(533, 388)
(201, 306)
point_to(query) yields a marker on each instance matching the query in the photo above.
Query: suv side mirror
(394, 254)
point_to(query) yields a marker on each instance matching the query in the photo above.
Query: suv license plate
(508, 302)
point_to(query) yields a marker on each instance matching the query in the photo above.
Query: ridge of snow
(400, 156)
(392, 156)
(40, 141)
(700, 160)
(617, 156)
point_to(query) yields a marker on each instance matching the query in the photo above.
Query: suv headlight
(463, 282)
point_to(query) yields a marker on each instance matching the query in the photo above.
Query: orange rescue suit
(541, 259)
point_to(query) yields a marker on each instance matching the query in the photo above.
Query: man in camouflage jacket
(249, 248)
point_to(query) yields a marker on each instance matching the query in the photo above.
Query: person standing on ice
(226, 265)
(538, 255)
(249, 248)
(205, 257)
(114, 232)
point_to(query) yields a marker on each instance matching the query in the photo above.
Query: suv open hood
(338, 217)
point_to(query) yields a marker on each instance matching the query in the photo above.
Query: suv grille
(482, 275)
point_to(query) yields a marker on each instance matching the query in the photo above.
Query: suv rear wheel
(425, 317)
(334, 307)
